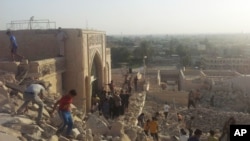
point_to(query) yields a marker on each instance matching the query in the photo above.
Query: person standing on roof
(61, 38)
(13, 45)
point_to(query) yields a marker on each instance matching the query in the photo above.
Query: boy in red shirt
(64, 112)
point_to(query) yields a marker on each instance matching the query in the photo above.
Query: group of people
(111, 105)
(35, 92)
(127, 84)
(189, 133)
(150, 127)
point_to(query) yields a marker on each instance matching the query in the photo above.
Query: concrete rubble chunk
(75, 132)
(55, 120)
(97, 125)
(81, 137)
(48, 131)
(116, 128)
(53, 138)
(32, 129)
(62, 138)
(6, 137)
(132, 133)
(89, 136)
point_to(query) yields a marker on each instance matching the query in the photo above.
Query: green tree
(145, 49)
(119, 55)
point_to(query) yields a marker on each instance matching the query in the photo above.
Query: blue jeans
(67, 120)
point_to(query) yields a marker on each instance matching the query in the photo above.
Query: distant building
(241, 65)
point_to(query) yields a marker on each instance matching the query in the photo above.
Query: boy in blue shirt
(14, 46)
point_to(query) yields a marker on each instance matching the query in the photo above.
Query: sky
(133, 17)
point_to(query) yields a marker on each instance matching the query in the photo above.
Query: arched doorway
(96, 76)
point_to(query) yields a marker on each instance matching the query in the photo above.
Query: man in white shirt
(166, 110)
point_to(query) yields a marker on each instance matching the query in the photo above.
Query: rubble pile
(90, 127)
(226, 101)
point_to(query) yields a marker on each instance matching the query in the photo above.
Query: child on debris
(64, 112)
(146, 127)
(212, 137)
(153, 128)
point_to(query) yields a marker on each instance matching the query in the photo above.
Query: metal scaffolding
(31, 24)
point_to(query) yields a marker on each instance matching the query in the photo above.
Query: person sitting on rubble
(34, 93)
(212, 137)
(64, 112)
(196, 136)
(141, 120)
(226, 129)
(191, 99)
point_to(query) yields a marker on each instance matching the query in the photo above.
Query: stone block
(31, 129)
(75, 132)
(49, 131)
(54, 138)
(6, 137)
(116, 128)
(62, 138)
(97, 125)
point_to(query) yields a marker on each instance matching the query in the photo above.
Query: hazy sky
(135, 16)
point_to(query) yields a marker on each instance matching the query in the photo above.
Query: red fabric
(64, 103)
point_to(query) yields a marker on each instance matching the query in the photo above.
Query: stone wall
(33, 44)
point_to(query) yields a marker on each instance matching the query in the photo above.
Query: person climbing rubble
(34, 93)
(226, 129)
(64, 112)
(166, 110)
(191, 99)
